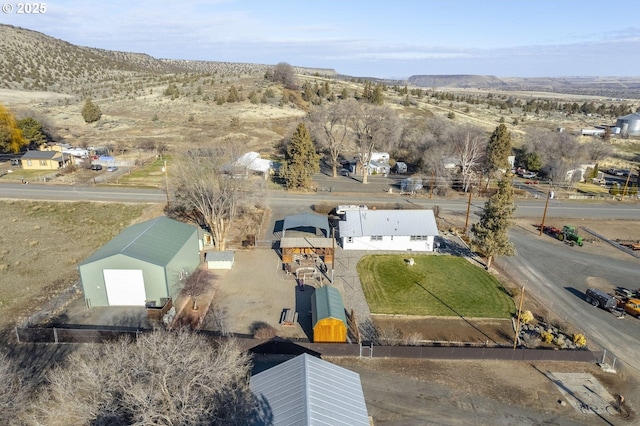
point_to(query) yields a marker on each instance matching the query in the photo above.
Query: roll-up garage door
(125, 287)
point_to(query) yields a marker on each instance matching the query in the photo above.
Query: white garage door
(125, 287)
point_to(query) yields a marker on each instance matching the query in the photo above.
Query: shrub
(547, 336)
(579, 340)
(91, 112)
(526, 317)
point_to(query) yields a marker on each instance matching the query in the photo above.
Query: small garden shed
(328, 318)
(219, 259)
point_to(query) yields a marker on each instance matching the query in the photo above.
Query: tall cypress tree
(491, 232)
(301, 160)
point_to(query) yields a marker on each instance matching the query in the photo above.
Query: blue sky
(516, 38)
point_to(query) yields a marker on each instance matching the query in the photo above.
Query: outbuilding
(307, 390)
(629, 124)
(397, 230)
(142, 266)
(219, 259)
(328, 318)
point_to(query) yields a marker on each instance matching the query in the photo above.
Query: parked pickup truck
(599, 298)
(632, 307)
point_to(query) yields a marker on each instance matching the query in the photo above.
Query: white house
(396, 230)
(251, 162)
(379, 163)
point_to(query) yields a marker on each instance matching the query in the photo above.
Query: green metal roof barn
(142, 265)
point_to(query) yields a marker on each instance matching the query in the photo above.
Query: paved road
(364, 195)
(558, 275)
(80, 193)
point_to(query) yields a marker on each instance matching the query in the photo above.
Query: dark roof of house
(155, 241)
(306, 219)
(41, 155)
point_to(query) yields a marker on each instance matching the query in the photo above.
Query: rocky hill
(614, 87)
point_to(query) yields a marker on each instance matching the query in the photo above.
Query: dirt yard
(429, 392)
(453, 329)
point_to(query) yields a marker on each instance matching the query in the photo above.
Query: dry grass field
(41, 244)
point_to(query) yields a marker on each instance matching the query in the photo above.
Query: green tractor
(570, 235)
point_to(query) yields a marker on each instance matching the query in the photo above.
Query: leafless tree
(285, 74)
(14, 392)
(162, 378)
(559, 151)
(597, 149)
(374, 127)
(330, 127)
(468, 144)
(197, 283)
(205, 193)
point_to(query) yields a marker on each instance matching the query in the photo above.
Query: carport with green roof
(143, 265)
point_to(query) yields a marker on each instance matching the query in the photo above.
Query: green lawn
(434, 285)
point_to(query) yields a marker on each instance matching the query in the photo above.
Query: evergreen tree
(32, 131)
(233, 94)
(301, 160)
(499, 149)
(533, 161)
(91, 112)
(11, 139)
(491, 232)
(377, 97)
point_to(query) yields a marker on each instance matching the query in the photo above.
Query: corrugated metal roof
(359, 223)
(306, 242)
(306, 219)
(327, 303)
(309, 391)
(155, 241)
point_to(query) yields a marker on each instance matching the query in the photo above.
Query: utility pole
(626, 184)
(333, 248)
(166, 181)
(466, 222)
(544, 215)
(515, 338)
(433, 178)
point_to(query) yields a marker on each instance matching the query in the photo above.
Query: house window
(376, 238)
(43, 162)
(418, 238)
(28, 162)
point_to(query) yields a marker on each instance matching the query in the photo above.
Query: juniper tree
(32, 131)
(301, 160)
(91, 112)
(498, 150)
(491, 232)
